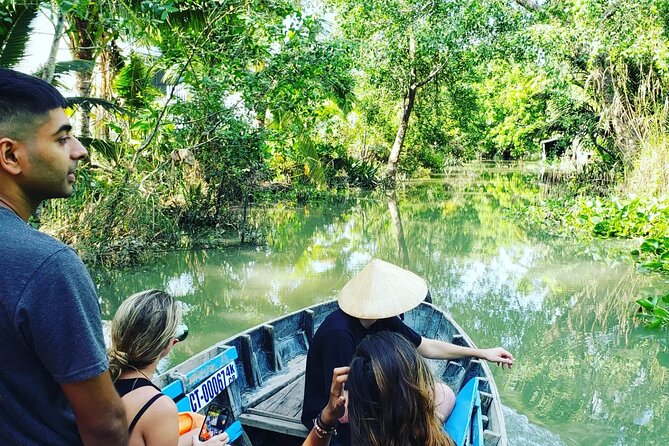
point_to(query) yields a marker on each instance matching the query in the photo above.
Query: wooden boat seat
(280, 412)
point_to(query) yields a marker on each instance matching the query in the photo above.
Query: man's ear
(9, 162)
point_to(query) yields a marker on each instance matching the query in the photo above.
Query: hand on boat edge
(499, 356)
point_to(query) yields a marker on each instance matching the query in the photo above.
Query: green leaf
(661, 312)
(602, 228)
(114, 127)
(112, 151)
(653, 265)
(645, 303)
(67, 6)
(649, 245)
(14, 35)
(655, 323)
(76, 66)
(70, 66)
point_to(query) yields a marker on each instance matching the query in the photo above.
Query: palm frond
(98, 102)
(69, 66)
(14, 35)
(134, 83)
(112, 151)
(74, 66)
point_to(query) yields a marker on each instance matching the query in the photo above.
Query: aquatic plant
(653, 254)
(654, 311)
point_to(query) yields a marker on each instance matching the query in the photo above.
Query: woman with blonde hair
(145, 328)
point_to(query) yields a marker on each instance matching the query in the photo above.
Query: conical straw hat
(381, 290)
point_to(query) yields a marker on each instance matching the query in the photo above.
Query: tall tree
(406, 44)
(93, 25)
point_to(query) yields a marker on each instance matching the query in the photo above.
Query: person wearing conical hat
(369, 303)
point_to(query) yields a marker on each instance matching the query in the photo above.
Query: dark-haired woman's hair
(25, 102)
(143, 326)
(391, 396)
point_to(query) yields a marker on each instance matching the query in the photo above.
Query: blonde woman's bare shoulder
(160, 423)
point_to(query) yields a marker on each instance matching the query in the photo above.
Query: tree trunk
(393, 159)
(50, 68)
(109, 64)
(84, 88)
(83, 48)
(407, 107)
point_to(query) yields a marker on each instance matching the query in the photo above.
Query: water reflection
(396, 218)
(586, 373)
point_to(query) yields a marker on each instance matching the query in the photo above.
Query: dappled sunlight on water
(586, 374)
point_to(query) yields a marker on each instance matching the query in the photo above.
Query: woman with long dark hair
(391, 397)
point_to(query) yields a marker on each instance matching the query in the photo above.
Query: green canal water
(586, 372)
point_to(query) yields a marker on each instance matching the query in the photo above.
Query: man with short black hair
(54, 384)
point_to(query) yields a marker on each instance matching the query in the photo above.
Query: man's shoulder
(34, 260)
(21, 242)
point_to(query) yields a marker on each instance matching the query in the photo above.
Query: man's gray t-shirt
(50, 334)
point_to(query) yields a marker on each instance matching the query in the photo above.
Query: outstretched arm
(334, 409)
(435, 349)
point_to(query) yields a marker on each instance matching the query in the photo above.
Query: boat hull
(269, 361)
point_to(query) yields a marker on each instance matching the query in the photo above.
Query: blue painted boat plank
(234, 431)
(183, 405)
(204, 371)
(465, 425)
(173, 389)
(200, 373)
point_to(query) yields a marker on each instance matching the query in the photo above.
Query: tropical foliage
(15, 31)
(655, 310)
(193, 110)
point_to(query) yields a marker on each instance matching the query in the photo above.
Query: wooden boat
(259, 375)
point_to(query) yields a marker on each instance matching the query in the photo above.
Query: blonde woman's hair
(143, 326)
(391, 400)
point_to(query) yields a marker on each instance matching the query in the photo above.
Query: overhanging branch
(430, 76)
(529, 4)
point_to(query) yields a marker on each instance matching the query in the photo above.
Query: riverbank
(127, 229)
